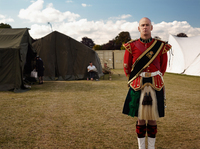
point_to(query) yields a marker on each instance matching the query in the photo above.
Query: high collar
(145, 40)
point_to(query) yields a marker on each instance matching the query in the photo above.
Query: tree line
(2, 25)
(114, 44)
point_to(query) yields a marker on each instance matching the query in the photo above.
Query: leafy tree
(117, 42)
(123, 37)
(97, 47)
(114, 44)
(88, 42)
(109, 45)
(2, 25)
(181, 35)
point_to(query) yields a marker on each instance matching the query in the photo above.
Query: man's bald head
(145, 27)
(145, 19)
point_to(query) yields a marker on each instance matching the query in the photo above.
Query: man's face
(90, 64)
(145, 27)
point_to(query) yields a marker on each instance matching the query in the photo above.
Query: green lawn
(88, 114)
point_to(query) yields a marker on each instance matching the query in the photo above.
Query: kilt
(131, 104)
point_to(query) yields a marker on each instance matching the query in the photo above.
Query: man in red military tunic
(145, 62)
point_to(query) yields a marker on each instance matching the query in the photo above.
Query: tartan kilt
(131, 104)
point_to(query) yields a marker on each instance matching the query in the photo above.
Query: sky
(101, 20)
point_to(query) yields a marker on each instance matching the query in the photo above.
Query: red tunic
(132, 53)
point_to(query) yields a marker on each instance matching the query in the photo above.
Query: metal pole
(50, 26)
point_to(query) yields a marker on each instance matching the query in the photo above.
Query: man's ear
(138, 28)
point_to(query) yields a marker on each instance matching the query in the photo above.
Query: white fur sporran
(148, 112)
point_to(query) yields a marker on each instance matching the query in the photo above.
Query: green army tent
(15, 45)
(65, 58)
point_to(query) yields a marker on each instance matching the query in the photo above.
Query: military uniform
(152, 75)
(107, 70)
(145, 62)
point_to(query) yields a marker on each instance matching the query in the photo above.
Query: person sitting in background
(91, 70)
(107, 70)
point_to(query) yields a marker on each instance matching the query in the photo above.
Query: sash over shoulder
(145, 59)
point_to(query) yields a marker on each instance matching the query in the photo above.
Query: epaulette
(167, 46)
(160, 40)
(132, 40)
(127, 45)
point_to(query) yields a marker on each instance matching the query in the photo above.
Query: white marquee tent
(184, 57)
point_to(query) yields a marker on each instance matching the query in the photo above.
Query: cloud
(99, 31)
(86, 5)
(124, 16)
(163, 29)
(35, 13)
(4, 19)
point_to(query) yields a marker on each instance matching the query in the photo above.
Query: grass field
(88, 115)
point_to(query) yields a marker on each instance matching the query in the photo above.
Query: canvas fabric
(65, 58)
(14, 46)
